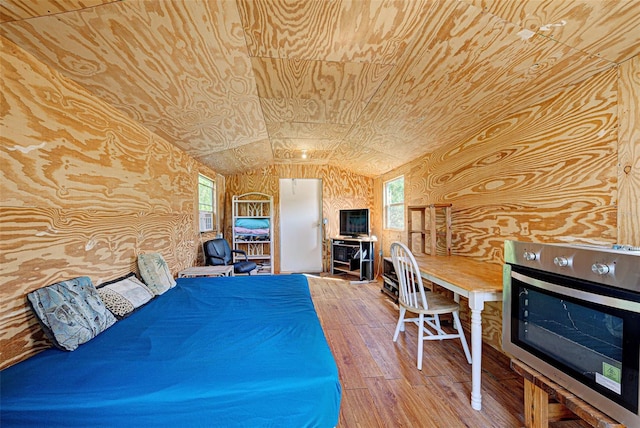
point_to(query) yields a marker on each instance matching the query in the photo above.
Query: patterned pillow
(155, 273)
(70, 312)
(124, 295)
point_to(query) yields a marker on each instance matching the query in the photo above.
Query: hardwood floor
(381, 386)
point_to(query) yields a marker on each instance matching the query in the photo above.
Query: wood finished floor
(381, 386)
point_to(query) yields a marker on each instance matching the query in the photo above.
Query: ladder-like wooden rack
(434, 210)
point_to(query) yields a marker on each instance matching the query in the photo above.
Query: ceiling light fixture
(304, 154)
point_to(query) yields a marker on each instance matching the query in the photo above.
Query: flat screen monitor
(354, 222)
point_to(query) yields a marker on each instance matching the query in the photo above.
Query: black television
(354, 222)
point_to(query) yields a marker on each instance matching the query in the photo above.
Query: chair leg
(436, 320)
(420, 340)
(463, 340)
(400, 325)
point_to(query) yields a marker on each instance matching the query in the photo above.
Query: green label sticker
(611, 372)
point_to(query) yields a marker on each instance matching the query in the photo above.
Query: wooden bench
(539, 411)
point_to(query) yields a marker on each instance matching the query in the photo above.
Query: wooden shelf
(434, 210)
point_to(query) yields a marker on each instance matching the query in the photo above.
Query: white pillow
(125, 295)
(155, 273)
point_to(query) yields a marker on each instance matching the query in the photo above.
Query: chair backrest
(411, 290)
(219, 248)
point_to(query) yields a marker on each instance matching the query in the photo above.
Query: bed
(236, 351)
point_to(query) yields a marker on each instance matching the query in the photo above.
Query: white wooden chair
(425, 304)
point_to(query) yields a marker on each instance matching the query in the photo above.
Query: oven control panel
(601, 268)
(616, 267)
(561, 261)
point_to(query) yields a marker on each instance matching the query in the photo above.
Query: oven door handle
(611, 302)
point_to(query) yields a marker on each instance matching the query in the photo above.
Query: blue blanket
(223, 352)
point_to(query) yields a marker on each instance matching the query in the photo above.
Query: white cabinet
(252, 229)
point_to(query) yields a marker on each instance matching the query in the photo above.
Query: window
(206, 202)
(394, 204)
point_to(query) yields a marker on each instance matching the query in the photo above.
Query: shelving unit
(353, 256)
(434, 210)
(254, 210)
(389, 279)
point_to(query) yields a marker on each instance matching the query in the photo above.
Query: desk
(477, 281)
(206, 271)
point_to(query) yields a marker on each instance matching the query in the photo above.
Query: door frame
(320, 228)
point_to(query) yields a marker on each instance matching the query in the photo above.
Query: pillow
(155, 273)
(124, 295)
(70, 312)
(253, 223)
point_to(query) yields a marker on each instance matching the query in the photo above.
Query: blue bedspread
(214, 352)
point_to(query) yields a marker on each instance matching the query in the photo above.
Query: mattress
(226, 352)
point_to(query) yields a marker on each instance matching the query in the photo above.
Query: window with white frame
(206, 203)
(394, 204)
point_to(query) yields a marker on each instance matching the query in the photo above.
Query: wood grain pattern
(448, 72)
(629, 153)
(573, 23)
(286, 79)
(470, 274)
(547, 173)
(180, 68)
(522, 132)
(17, 10)
(302, 110)
(83, 191)
(392, 80)
(340, 189)
(292, 150)
(381, 386)
(326, 30)
(464, 272)
(538, 390)
(307, 130)
(252, 153)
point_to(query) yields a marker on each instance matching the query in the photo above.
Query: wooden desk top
(468, 274)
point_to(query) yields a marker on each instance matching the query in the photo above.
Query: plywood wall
(245, 83)
(629, 153)
(548, 173)
(84, 190)
(340, 189)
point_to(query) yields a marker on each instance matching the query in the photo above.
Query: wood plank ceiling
(365, 85)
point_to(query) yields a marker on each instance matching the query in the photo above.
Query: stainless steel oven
(572, 312)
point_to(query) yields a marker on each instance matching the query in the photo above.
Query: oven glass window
(586, 340)
(583, 339)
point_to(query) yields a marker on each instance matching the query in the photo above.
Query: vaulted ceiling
(366, 85)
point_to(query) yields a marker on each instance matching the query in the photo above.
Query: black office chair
(217, 252)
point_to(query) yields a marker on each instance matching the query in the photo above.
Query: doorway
(300, 225)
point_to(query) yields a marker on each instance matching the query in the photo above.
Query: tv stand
(353, 256)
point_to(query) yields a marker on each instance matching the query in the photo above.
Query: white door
(301, 225)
